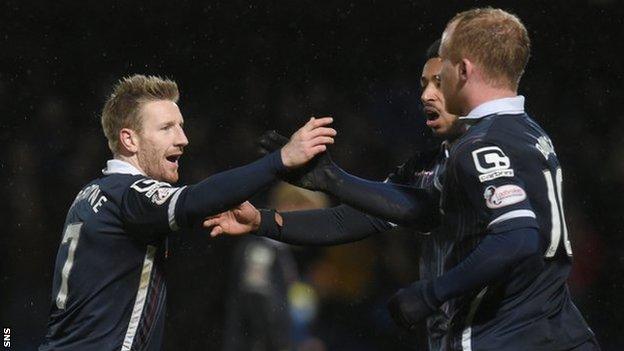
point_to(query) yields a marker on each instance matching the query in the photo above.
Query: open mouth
(173, 158)
(431, 113)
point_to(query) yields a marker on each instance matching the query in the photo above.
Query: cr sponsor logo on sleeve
(505, 195)
(156, 191)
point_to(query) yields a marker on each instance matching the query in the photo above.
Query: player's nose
(181, 139)
(427, 94)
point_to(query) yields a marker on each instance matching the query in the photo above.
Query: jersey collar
(119, 166)
(505, 106)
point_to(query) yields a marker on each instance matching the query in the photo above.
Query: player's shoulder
(119, 176)
(111, 184)
(492, 142)
(150, 192)
(109, 187)
(119, 183)
(502, 131)
(116, 185)
(152, 188)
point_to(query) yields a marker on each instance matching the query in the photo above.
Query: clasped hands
(310, 167)
(308, 162)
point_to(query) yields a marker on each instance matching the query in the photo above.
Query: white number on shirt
(558, 224)
(71, 236)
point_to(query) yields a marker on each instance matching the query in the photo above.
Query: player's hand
(307, 142)
(412, 305)
(271, 141)
(317, 174)
(240, 220)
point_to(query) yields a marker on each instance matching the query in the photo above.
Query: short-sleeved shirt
(109, 288)
(503, 174)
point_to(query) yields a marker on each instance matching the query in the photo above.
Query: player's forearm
(392, 202)
(227, 189)
(324, 227)
(496, 255)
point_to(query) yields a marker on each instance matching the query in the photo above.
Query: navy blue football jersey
(503, 174)
(109, 289)
(423, 170)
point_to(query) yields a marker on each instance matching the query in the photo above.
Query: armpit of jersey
(492, 186)
(148, 207)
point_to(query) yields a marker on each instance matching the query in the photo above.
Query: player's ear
(465, 69)
(128, 140)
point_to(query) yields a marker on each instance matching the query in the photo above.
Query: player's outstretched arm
(392, 202)
(331, 226)
(225, 190)
(242, 219)
(155, 207)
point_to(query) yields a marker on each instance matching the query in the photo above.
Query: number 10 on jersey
(558, 224)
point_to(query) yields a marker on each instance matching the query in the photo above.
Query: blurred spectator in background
(269, 308)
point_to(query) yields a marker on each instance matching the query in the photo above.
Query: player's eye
(437, 79)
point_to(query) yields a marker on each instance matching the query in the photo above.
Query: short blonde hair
(122, 107)
(493, 38)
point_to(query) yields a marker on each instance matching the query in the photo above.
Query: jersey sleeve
(148, 208)
(399, 176)
(485, 172)
(411, 173)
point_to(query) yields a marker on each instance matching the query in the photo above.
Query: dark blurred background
(244, 67)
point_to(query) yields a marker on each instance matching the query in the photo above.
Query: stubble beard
(151, 163)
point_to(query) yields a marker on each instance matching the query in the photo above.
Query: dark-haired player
(109, 290)
(345, 224)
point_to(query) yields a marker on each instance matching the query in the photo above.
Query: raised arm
(330, 226)
(157, 207)
(398, 204)
(228, 189)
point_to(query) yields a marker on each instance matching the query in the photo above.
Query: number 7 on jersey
(71, 236)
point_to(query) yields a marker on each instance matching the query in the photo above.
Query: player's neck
(133, 160)
(484, 93)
